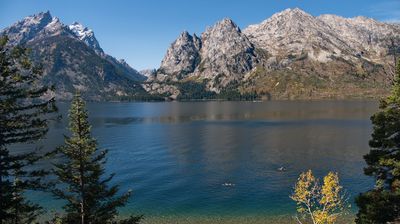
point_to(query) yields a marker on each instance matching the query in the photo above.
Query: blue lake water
(176, 156)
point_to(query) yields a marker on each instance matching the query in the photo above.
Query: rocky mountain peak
(80, 30)
(224, 34)
(226, 53)
(294, 16)
(223, 52)
(227, 22)
(225, 25)
(293, 12)
(40, 18)
(185, 35)
(86, 35)
(182, 56)
(295, 32)
(33, 27)
(290, 18)
(72, 58)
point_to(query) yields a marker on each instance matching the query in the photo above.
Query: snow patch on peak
(55, 26)
(81, 31)
(86, 35)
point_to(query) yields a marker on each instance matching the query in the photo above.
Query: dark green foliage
(384, 163)
(22, 120)
(191, 90)
(194, 90)
(138, 97)
(130, 220)
(88, 196)
(58, 219)
(377, 207)
(231, 92)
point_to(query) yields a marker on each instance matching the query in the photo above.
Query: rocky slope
(222, 55)
(73, 59)
(292, 54)
(183, 56)
(293, 31)
(226, 54)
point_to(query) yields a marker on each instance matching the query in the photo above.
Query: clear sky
(140, 31)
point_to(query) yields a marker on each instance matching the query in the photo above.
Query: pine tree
(382, 204)
(89, 198)
(22, 120)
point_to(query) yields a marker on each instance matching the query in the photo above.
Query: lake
(177, 156)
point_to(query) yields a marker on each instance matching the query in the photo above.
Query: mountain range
(73, 59)
(291, 55)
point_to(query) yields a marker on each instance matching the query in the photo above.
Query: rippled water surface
(177, 156)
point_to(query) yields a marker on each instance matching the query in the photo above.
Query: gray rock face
(156, 88)
(183, 55)
(226, 53)
(148, 72)
(222, 54)
(295, 32)
(365, 36)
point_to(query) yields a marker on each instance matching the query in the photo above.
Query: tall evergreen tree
(80, 174)
(382, 204)
(22, 120)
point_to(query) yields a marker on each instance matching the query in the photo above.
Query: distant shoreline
(224, 100)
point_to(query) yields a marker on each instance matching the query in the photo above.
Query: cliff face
(226, 54)
(223, 54)
(183, 56)
(293, 31)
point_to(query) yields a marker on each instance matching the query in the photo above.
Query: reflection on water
(177, 156)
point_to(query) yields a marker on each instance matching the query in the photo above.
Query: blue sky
(141, 31)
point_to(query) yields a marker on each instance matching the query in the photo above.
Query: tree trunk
(1, 191)
(81, 170)
(82, 196)
(1, 194)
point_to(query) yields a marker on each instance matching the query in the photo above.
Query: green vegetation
(194, 90)
(81, 184)
(382, 204)
(311, 81)
(22, 120)
(231, 92)
(191, 90)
